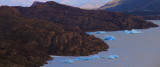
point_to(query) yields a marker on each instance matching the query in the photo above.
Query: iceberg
(95, 57)
(89, 58)
(92, 58)
(128, 32)
(69, 61)
(133, 31)
(112, 57)
(136, 31)
(79, 59)
(110, 38)
(100, 32)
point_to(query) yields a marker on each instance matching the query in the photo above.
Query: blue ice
(133, 31)
(112, 57)
(69, 61)
(100, 32)
(110, 38)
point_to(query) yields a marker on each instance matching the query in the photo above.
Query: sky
(77, 3)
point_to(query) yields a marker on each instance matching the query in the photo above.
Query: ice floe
(133, 31)
(69, 61)
(112, 57)
(109, 38)
(97, 32)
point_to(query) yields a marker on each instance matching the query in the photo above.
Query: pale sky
(76, 3)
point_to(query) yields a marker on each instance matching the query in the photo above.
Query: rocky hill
(75, 19)
(28, 42)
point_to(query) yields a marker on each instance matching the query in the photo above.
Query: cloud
(77, 3)
(94, 4)
(19, 2)
(86, 3)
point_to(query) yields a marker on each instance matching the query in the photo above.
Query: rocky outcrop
(28, 42)
(74, 44)
(75, 19)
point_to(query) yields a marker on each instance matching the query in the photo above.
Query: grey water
(134, 50)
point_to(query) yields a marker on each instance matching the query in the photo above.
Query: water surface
(136, 50)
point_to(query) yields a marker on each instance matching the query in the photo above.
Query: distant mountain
(111, 4)
(148, 9)
(132, 5)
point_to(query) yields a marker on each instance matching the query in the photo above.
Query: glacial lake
(134, 50)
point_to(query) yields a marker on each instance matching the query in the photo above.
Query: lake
(134, 50)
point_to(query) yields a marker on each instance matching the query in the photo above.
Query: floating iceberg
(110, 38)
(92, 58)
(69, 61)
(95, 57)
(82, 58)
(136, 31)
(112, 57)
(79, 58)
(100, 32)
(133, 31)
(89, 58)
